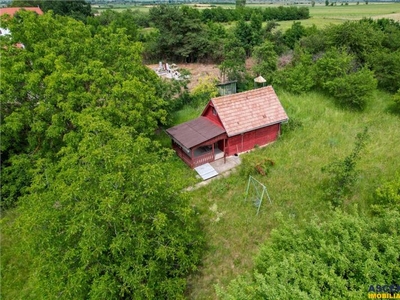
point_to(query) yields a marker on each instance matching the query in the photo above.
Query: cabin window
(214, 112)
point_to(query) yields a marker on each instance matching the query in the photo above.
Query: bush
(291, 125)
(337, 258)
(343, 173)
(255, 164)
(353, 90)
(388, 194)
(396, 102)
(297, 79)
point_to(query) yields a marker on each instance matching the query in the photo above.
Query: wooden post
(224, 151)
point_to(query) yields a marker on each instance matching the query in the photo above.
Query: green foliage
(99, 214)
(353, 90)
(291, 79)
(62, 71)
(333, 64)
(243, 34)
(343, 173)
(265, 60)
(184, 33)
(294, 34)
(256, 29)
(280, 13)
(106, 220)
(240, 3)
(233, 67)
(396, 102)
(255, 165)
(77, 9)
(332, 259)
(315, 42)
(217, 37)
(181, 33)
(386, 66)
(291, 125)
(204, 91)
(338, 74)
(388, 194)
(359, 38)
(391, 29)
(15, 177)
(299, 77)
(126, 19)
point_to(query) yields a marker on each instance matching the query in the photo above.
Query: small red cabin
(229, 125)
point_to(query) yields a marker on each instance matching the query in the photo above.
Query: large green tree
(99, 213)
(265, 60)
(106, 221)
(78, 9)
(181, 35)
(61, 71)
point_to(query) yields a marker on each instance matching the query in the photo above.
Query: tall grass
(233, 230)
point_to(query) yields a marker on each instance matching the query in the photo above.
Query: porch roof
(195, 132)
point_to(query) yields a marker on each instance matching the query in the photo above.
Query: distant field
(321, 15)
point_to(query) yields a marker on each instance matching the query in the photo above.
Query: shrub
(388, 194)
(353, 90)
(337, 258)
(255, 164)
(396, 102)
(343, 173)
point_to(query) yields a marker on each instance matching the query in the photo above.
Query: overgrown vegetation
(94, 197)
(320, 134)
(343, 173)
(99, 213)
(337, 258)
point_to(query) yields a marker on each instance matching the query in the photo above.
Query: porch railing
(195, 161)
(203, 159)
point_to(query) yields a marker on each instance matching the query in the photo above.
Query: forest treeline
(348, 61)
(97, 208)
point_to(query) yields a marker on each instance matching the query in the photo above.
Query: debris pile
(168, 71)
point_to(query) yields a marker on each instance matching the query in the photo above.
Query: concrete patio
(223, 169)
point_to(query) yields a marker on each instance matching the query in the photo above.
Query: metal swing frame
(259, 195)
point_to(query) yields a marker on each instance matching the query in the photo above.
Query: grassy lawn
(322, 16)
(233, 230)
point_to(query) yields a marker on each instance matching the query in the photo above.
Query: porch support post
(191, 158)
(213, 151)
(224, 151)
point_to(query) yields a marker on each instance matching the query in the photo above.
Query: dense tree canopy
(106, 220)
(62, 71)
(77, 9)
(99, 214)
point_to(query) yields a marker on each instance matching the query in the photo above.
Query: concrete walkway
(223, 169)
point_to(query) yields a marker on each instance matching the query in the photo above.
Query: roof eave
(255, 128)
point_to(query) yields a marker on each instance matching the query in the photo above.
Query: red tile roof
(249, 110)
(195, 132)
(12, 10)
